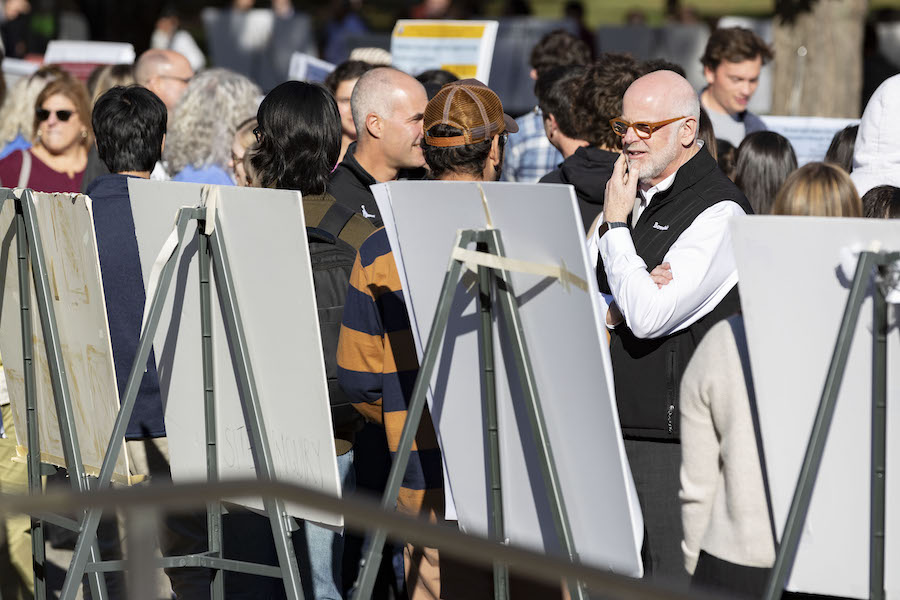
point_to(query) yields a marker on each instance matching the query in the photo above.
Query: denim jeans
(321, 573)
(319, 551)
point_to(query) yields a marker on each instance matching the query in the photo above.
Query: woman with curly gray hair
(198, 144)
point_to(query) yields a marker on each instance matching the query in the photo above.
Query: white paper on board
(793, 291)
(70, 251)
(809, 136)
(306, 67)
(265, 237)
(465, 48)
(570, 358)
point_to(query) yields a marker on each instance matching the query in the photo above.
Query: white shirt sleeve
(703, 272)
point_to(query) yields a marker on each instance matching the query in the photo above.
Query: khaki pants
(16, 572)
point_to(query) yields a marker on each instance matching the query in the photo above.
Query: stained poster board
(795, 274)
(465, 48)
(264, 234)
(70, 251)
(567, 344)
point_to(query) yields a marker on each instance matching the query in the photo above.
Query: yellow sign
(439, 31)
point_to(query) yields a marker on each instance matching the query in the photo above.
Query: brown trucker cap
(470, 106)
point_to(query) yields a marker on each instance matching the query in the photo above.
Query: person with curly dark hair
(530, 155)
(577, 104)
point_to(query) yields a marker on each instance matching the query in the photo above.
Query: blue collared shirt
(529, 154)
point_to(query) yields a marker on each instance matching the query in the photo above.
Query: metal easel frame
(32, 264)
(793, 529)
(493, 283)
(211, 252)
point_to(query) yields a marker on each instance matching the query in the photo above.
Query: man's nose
(630, 136)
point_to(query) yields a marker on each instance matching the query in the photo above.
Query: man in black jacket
(667, 208)
(577, 104)
(387, 107)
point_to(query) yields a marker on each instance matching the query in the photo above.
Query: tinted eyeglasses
(43, 114)
(643, 129)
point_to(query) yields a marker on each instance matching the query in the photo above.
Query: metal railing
(143, 505)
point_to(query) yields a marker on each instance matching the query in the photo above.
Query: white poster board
(810, 136)
(569, 354)
(101, 53)
(15, 69)
(70, 251)
(306, 67)
(265, 237)
(794, 290)
(465, 48)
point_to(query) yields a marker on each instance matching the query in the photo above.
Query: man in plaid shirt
(529, 154)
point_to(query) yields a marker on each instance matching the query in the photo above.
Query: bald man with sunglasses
(667, 273)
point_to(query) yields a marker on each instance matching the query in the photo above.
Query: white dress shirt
(703, 270)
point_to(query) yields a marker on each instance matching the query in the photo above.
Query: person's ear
(709, 74)
(533, 74)
(688, 132)
(374, 125)
(552, 125)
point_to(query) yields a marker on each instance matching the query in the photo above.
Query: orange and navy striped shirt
(377, 368)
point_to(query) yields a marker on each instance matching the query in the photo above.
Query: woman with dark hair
(840, 152)
(764, 161)
(299, 137)
(298, 143)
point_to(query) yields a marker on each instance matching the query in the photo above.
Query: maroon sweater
(42, 179)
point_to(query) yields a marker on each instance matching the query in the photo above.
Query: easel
(211, 252)
(29, 246)
(493, 279)
(796, 518)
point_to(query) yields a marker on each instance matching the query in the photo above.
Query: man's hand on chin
(621, 190)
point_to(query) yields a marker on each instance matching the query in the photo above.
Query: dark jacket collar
(111, 183)
(351, 164)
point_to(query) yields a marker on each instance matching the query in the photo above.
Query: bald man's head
(388, 107)
(166, 73)
(656, 98)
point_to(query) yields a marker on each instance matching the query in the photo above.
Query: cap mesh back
(475, 110)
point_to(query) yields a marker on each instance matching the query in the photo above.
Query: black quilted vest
(648, 371)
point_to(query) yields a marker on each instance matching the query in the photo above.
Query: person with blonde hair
(62, 135)
(17, 113)
(106, 77)
(818, 190)
(204, 123)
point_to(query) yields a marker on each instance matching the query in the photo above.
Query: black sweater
(588, 170)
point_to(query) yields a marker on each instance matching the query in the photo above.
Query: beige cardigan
(723, 502)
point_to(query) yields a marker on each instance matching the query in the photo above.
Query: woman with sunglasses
(62, 136)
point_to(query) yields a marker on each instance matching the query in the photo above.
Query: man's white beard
(651, 167)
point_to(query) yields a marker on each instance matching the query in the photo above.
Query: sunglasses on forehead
(43, 114)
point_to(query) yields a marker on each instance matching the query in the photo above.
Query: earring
(84, 133)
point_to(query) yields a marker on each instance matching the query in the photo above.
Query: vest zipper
(670, 409)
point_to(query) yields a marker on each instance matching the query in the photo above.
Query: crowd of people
(658, 168)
